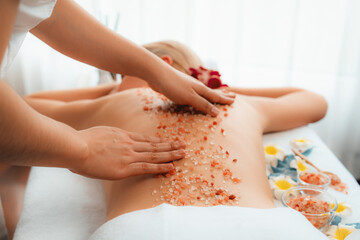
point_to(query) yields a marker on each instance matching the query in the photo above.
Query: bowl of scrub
(317, 205)
(314, 179)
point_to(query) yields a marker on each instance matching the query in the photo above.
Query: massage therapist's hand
(186, 90)
(115, 154)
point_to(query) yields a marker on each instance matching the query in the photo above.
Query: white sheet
(211, 223)
(61, 205)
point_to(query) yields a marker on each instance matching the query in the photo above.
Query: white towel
(211, 223)
(60, 205)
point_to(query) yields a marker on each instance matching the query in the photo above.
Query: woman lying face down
(224, 160)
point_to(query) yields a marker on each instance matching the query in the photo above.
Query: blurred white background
(312, 44)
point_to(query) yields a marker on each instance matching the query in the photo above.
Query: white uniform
(30, 14)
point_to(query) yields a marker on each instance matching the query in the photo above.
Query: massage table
(59, 204)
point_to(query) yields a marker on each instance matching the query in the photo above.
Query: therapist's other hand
(186, 90)
(113, 154)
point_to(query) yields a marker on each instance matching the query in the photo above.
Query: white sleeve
(32, 12)
(29, 15)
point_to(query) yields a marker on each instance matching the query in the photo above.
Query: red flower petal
(214, 73)
(194, 72)
(211, 78)
(214, 83)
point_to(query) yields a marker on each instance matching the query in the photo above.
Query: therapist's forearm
(75, 33)
(75, 94)
(31, 139)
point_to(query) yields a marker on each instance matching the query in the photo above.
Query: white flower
(355, 235)
(301, 144)
(339, 232)
(280, 184)
(343, 209)
(299, 164)
(273, 153)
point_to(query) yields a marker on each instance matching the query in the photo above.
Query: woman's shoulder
(128, 94)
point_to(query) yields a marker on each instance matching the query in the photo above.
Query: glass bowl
(324, 185)
(306, 199)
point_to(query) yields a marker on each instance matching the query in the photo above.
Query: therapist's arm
(30, 139)
(76, 94)
(23, 138)
(75, 33)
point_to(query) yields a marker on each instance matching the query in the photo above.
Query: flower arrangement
(210, 78)
(282, 174)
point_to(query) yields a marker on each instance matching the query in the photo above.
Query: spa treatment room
(179, 119)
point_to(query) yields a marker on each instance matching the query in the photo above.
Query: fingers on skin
(204, 95)
(224, 99)
(157, 147)
(159, 157)
(217, 97)
(149, 168)
(225, 89)
(229, 94)
(138, 137)
(204, 106)
(225, 92)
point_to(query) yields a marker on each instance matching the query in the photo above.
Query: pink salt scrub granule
(183, 185)
(227, 172)
(314, 178)
(236, 180)
(341, 187)
(232, 197)
(311, 205)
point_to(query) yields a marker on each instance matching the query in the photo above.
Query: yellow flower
(339, 232)
(343, 209)
(301, 144)
(299, 164)
(280, 184)
(273, 153)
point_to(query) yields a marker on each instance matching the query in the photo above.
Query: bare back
(224, 161)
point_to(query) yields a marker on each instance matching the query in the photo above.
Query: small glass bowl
(324, 186)
(319, 220)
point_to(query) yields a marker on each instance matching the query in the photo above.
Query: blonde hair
(182, 56)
